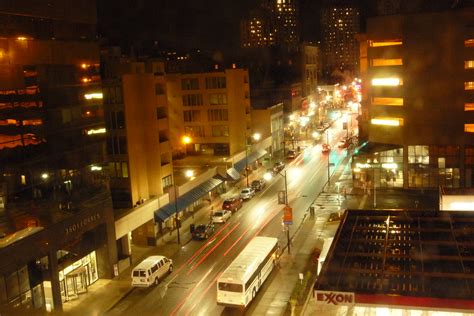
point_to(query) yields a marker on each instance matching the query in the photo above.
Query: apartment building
(418, 100)
(212, 109)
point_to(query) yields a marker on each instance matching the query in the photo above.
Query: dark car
(258, 185)
(203, 231)
(232, 204)
(290, 154)
(279, 166)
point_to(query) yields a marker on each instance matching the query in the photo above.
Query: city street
(190, 289)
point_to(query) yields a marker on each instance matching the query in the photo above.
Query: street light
(267, 176)
(186, 140)
(256, 137)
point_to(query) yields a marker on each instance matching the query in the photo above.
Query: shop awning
(233, 173)
(240, 165)
(186, 199)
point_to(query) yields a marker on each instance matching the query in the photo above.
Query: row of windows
(211, 83)
(198, 131)
(117, 145)
(212, 115)
(197, 99)
(118, 169)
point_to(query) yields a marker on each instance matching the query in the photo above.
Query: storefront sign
(334, 298)
(84, 222)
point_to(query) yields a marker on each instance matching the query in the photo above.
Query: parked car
(291, 154)
(343, 143)
(232, 204)
(258, 185)
(221, 216)
(325, 148)
(279, 166)
(151, 270)
(203, 231)
(334, 217)
(247, 193)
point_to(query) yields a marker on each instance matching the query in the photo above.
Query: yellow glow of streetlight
(256, 136)
(186, 139)
(267, 176)
(189, 173)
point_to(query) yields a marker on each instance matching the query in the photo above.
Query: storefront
(57, 263)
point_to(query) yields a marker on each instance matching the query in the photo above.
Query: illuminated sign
(83, 223)
(334, 298)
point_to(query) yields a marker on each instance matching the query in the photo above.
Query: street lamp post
(375, 192)
(176, 217)
(286, 204)
(329, 156)
(255, 137)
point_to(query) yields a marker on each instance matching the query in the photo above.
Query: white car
(247, 193)
(221, 216)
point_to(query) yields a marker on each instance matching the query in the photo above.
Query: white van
(150, 271)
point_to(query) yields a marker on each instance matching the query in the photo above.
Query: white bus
(242, 279)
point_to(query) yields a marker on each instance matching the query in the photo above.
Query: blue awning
(234, 174)
(240, 165)
(186, 199)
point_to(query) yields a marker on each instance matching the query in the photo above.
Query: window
(192, 99)
(469, 128)
(469, 43)
(388, 121)
(387, 101)
(469, 85)
(380, 62)
(218, 98)
(167, 182)
(117, 145)
(161, 112)
(192, 116)
(220, 130)
(118, 169)
(391, 82)
(382, 43)
(159, 89)
(189, 84)
(215, 83)
(217, 115)
(194, 131)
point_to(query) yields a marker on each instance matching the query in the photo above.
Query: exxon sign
(334, 298)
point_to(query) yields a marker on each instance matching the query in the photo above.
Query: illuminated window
(379, 62)
(387, 101)
(395, 42)
(387, 82)
(469, 107)
(91, 96)
(469, 85)
(469, 64)
(387, 121)
(469, 128)
(469, 42)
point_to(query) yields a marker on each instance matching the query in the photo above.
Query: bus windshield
(230, 287)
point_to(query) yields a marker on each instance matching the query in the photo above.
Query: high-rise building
(274, 23)
(55, 206)
(418, 99)
(339, 25)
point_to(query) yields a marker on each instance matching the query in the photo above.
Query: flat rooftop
(404, 254)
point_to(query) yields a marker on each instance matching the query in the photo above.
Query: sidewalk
(104, 293)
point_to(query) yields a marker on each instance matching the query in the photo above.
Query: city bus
(240, 282)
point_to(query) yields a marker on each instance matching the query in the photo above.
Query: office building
(55, 211)
(418, 100)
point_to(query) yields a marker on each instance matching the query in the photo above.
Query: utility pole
(286, 204)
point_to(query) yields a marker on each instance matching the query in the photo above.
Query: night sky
(187, 24)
